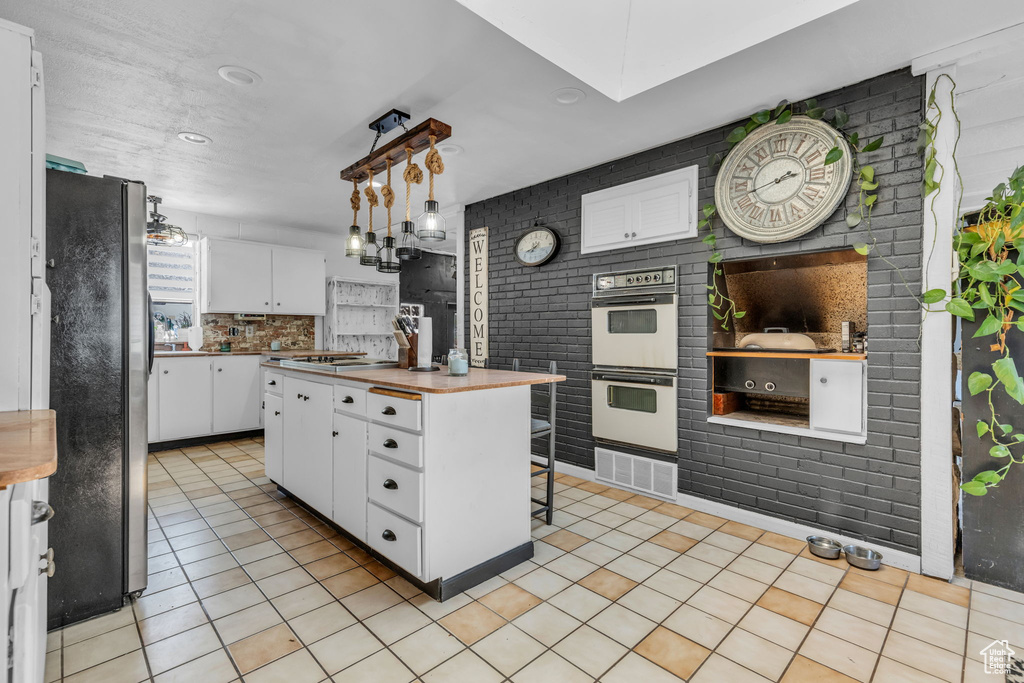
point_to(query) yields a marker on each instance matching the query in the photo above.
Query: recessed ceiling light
(194, 138)
(239, 75)
(449, 149)
(567, 96)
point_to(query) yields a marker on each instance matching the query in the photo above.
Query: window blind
(172, 272)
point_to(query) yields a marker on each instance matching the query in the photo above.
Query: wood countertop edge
(787, 355)
(373, 377)
(23, 457)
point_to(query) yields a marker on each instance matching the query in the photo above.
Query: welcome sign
(478, 296)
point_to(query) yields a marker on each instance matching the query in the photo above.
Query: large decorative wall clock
(775, 186)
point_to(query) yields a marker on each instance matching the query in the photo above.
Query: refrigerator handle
(152, 332)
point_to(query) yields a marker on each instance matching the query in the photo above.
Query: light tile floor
(623, 589)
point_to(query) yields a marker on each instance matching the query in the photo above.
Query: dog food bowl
(824, 547)
(864, 558)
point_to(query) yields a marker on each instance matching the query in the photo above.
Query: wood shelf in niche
(794, 356)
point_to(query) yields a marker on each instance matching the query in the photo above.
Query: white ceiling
(630, 46)
(123, 77)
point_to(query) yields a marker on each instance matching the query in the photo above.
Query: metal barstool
(540, 429)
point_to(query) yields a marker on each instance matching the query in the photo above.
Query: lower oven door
(636, 409)
(638, 331)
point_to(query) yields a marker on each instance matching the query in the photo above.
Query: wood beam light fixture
(387, 257)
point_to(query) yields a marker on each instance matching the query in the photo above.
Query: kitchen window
(173, 284)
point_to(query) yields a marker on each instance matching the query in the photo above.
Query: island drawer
(399, 408)
(395, 538)
(350, 400)
(396, 444)
(273, 383)
(396, 487)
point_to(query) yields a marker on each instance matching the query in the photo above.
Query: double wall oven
(634, 316)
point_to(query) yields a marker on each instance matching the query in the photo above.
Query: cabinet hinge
(35, 248)
(35, 77)
(36, 304)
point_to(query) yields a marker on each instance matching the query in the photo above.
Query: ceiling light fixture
(194, 138)
(449, 149)
(158, 231)
(239, 75)
(568, 96)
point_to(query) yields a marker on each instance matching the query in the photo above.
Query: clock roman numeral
(818, 173)
(756, 211)
(744, 203)
(813, 157)
(761, 153)
(812, 193)
(802, 139)
(780, 144)
(741, 186)
(776, 215)
(796, 211)
(747, 168)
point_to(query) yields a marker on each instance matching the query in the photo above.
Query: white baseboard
(894, 558)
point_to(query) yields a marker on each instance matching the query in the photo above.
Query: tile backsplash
(293, 331)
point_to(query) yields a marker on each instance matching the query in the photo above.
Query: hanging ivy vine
(724, 308)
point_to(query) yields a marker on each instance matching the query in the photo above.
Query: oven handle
(631, 379)
(634, 301)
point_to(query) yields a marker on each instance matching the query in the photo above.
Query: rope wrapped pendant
(409, 251)
(431, 224)
(369, 256)
(354, 243)
(387, 261)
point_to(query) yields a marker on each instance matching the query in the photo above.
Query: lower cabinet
(185, 394)
(837, 396)
(273, 435)
(350, 474)
(236, 393)
(308, 453)
(395, 538)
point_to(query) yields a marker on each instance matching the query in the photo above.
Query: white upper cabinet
(300, 277)
(249, 277)
(661, 208)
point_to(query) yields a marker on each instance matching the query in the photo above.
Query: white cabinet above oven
(661, 208)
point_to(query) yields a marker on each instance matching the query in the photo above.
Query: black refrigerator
(101, 355)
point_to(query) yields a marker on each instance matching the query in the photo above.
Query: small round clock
(537, 246)
(775, 186)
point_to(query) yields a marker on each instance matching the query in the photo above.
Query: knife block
(407, 354)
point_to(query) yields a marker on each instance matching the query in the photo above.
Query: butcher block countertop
(433, 382)
(28, 445)
(283, 353)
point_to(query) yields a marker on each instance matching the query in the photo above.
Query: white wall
(338, 264)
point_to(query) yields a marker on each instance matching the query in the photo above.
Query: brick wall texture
(293, 331)
(868, 491)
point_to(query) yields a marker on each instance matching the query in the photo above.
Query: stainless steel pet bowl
(865, 558)
(824, 547)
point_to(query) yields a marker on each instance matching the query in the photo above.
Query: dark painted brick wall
(537, 314)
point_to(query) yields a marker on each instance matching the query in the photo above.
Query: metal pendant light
(431, 224)
(369, 255)
(387, 262)
(354, 243)
(408, 251)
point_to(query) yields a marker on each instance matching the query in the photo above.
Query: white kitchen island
(428, 471)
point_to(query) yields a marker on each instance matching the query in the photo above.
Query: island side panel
(477, 477)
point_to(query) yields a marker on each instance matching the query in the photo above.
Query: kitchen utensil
(824, 547)
(864, 558)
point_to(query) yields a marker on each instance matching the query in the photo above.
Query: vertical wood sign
(478, 297)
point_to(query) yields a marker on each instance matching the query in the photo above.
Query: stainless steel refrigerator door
(138, 338)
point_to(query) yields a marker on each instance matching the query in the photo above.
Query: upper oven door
(638, 410)
(636, 331)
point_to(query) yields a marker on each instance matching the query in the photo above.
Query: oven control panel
(635, 279)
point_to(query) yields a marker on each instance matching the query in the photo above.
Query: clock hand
(787, 175)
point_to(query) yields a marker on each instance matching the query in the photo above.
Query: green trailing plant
(724, 308)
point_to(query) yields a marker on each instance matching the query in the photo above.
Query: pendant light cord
(412, 174)
(434, 164)
(354, 202)
(371, 199)
(389, 196)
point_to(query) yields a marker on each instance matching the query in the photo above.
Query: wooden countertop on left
(28, 445)
(439, 382)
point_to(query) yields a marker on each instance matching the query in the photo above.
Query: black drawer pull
(348, 399)
(272, 382)
(305, 398)
(388, 411)
(298, 395)
(334, 433)
(390, 443)
(390, 484)
(277, 412)
(389, 535)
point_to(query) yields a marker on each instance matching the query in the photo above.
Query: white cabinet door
(350, 475)
(667, 209)
(299, 282)
(237, 277)
(186, 398)
(236, 393)
(273, 446)
(308, 442)
(837, 395)
(607, 221)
